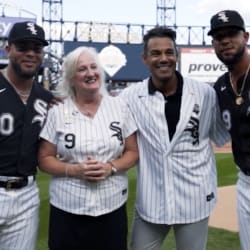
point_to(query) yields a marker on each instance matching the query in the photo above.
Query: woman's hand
(91, 170)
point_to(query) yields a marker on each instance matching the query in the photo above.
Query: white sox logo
(193, 125)
(31, 28)
(118, 131)
(222, 16)
(40, 107)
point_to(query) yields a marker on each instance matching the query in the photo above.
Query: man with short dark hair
(23, 107)
(176, 175)
(229, 39)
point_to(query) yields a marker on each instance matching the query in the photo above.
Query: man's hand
(55, 101)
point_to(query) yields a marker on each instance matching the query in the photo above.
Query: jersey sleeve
(129, 121)
(48, 131)
(218, 133)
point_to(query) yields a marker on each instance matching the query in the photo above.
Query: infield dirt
(224, 215)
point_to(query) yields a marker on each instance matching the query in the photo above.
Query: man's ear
(7, 48)
(246, 35)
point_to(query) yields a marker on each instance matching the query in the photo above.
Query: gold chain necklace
(239, 99)
(23, 95)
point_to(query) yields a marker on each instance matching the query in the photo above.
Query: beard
(229, 62)
(23, 74)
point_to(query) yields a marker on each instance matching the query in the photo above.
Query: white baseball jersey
(176, 179)
(78, 136)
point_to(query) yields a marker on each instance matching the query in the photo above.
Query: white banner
(201, 64)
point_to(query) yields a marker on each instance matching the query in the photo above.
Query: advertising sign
(201, 64)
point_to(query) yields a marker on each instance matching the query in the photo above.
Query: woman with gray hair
(88, 143)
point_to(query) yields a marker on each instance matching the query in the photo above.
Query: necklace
(239, 99)
(24, 95)
(88, 112)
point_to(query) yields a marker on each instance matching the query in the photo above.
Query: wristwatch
(113, 168)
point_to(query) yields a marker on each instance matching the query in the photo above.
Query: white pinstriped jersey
(77, 137)
(176, 180)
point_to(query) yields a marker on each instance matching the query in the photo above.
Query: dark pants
(81, 232)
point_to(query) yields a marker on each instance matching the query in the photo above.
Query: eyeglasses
(219, 35)
(26, 46)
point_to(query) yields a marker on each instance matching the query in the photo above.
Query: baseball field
(218, 239)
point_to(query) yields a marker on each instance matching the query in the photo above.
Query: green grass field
(217, 239)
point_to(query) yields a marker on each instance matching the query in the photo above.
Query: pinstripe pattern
(93, 137)
(19, 208)
(243, 209)
(175, 177)
(19, 215)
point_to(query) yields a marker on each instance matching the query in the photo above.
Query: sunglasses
(26, 46)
